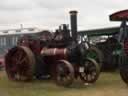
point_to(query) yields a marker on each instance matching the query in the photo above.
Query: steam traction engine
(123, 39)
(52, 55)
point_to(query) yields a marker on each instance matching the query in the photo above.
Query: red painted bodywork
(1, 62)
(119, 16)
(126, 46)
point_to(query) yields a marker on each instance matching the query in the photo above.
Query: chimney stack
(73, 18)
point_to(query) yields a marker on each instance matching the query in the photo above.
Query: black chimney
(73, 17)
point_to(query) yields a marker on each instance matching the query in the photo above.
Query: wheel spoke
(22, 60)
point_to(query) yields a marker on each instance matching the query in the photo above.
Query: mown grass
(109, 84)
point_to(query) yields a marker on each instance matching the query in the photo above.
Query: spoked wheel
(19, 62)
(124, 68)
(90, 71)
(95, 54)
(64, 73)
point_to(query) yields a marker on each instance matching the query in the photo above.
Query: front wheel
(64, 73)
(89, 73)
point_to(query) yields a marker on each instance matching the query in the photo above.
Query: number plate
(81, 69)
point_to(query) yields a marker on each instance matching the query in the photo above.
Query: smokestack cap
(73, 12)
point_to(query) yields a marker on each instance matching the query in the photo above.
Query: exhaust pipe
(73, 18)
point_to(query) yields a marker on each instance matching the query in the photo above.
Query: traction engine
(56, 56)
(122, 16)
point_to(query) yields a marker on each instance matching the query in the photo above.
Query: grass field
(109, 84)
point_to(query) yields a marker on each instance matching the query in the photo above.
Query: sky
(49, 14)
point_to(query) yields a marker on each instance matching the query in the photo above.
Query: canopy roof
(119, 16)
(100, 32)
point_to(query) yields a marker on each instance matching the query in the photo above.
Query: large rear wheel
(19, 63)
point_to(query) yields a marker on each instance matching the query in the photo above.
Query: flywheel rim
(99, 53)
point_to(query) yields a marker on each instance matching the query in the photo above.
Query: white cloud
(51, 13)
